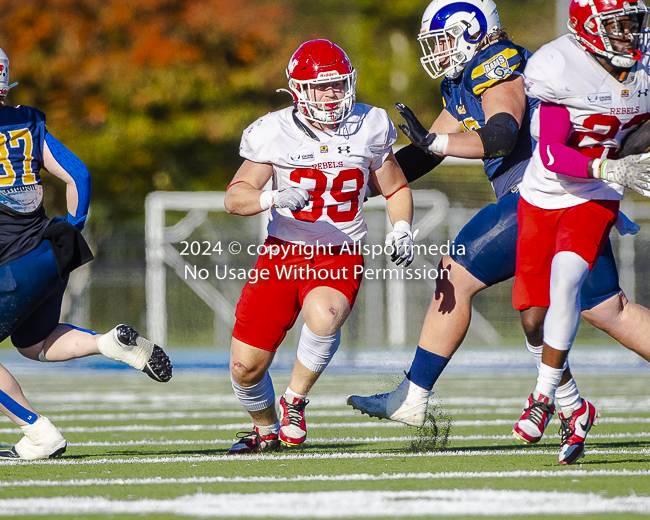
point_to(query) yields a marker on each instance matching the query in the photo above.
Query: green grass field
(137, 448)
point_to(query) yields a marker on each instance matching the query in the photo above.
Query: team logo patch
(302, 156)
(600, 97)
(324, 149)
(625, 93)
(497, 68)
(344, 149)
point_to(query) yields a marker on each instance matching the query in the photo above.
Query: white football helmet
(4, 74)
(451, 32)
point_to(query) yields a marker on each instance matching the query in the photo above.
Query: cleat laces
(566, 431)
(537, 410)
(253, 436)
(294, 411)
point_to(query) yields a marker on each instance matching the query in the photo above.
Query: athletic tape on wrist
(596, 168)
(266, 199)
(439, 144)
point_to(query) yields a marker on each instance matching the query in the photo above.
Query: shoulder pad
(31, 113)
(257, 136)
(542, 72)
(494, 63)
(378, 126)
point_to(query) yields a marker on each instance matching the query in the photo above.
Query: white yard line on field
(353, 477)
(312, 425)
(311, 456)
(340, 504)
(336, 440)
(160, 416)
(235, 414)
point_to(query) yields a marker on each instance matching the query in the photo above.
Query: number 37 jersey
(334, 170)
(602, 112)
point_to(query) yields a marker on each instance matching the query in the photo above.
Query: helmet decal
(439, 21)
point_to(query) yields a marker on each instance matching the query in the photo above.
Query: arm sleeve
(554, 131)
(415, 162)
(80, 175)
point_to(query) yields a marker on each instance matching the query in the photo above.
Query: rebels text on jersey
(334, 170)
(602, 112)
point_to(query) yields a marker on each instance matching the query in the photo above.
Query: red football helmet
(586, 19)
(318, 62)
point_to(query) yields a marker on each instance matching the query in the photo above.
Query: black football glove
(418, 135)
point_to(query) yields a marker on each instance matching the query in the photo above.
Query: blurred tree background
(154, 94)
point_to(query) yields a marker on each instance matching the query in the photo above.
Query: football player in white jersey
(320, 154)
(483, 84)
(593, 87)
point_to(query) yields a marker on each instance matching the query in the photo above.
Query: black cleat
(8, 452)
(158, 367)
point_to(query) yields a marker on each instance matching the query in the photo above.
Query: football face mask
(451, 33)
(4, 75)
(327, 101)
(620, 34)
(322, 82)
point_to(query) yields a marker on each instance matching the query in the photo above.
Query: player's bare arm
(390, 180)
(243, 194)
(392, 184)
(248, 197)
(502, 103)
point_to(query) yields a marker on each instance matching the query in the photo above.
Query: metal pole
(562, 16)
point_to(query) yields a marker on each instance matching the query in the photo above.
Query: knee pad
(315, 352)
(257, 397)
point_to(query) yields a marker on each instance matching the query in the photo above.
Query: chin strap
(303, 126)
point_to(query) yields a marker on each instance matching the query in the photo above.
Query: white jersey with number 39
(334, 170)
(602, 110)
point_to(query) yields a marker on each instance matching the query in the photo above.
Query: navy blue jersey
(462, 98)
(22, 218)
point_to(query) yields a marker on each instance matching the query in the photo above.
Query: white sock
(536, 352)
(269, 429)
(291, 393)
(547, 381)
(567, 396)
(257, 397)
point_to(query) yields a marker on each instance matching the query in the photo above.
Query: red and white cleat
(532, 423)
(253, 442)
(574, 426)
(293, 430)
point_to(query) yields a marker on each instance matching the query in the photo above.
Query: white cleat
(42, 440)
(124, 344)
(406, 404)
